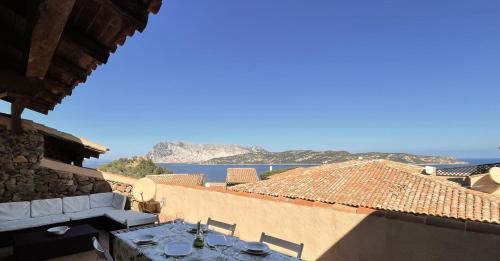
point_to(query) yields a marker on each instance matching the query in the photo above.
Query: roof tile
(197, 179)
(241, 175)
(380, 184)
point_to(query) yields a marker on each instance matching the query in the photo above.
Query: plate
(178, 249)
(255, 247)
(217, 240)
(58, 230)
(261, 253)
(144, 239)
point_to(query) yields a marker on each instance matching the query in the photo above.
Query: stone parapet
(26, 175)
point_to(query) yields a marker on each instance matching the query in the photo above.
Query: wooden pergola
(48, 47)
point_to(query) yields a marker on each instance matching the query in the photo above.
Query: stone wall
(50, 183)
(23, 178)
(19, 161)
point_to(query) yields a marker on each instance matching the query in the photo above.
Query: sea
(217, 173)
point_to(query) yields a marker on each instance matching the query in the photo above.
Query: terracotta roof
(196, 179)
(30, 125)
(216, 184)
(291, 172)
(241, 175)
(381, 184)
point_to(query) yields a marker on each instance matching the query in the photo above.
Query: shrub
(267, 174)
(137, 167)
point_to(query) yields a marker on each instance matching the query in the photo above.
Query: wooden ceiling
(48, 47)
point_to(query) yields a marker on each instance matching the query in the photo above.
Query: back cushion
(46, 207)
(75, 204)
(119, 201)
(14, 210)
(100, 200)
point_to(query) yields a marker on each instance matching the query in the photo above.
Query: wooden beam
(132, 10)
(53, 15)
(88, 45)
(154, 6)
(17, 108)
(17, 85)
(57, 87)
(72, 69)
(50, 97)
(39, 107)
(11, 58)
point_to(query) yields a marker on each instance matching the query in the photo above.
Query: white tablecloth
(125, 249)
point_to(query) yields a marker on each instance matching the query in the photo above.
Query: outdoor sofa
(102, 210)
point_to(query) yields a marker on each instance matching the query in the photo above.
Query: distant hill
(322, 157)
(183, 152)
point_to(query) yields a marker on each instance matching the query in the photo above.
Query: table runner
(125, 249)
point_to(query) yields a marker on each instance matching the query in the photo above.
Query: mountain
(183, 152)
(321, 157)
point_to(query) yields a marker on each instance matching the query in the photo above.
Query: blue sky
(400, 76)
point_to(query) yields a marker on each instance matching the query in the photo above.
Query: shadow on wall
(381, 238)
(97, 181)
(483, 183)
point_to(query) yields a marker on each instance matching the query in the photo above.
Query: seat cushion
(121, 216)
(14, 210)
(100, 200)
(89, 213)
(75, 204)
(46, 207)
(32, 222)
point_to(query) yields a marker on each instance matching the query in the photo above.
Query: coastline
(243, 164)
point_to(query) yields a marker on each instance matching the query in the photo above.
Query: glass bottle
(199, 241)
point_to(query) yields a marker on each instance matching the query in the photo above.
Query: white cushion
(119, 201)
(32, 222)
(90, 213)
(75, 204)
(14, 210)
(121, 216)
(46, 207)
(100, 200)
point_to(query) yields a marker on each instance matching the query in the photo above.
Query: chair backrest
(230, 227)
(282, 243)
(142, 221)
(100, 251)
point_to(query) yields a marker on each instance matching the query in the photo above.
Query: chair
(219, 224)
(282, 243)
(102, 254)
(142, 221)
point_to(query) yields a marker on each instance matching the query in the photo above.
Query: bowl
(144, 239)
(58, 231)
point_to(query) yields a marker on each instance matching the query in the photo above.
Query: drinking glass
(179, 218)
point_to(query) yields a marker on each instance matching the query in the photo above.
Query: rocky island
(183, 152)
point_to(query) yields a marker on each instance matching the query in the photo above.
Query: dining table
(125, 247)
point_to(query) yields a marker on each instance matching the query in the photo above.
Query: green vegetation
(267, 174)
(325, 157)
(136, 167)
